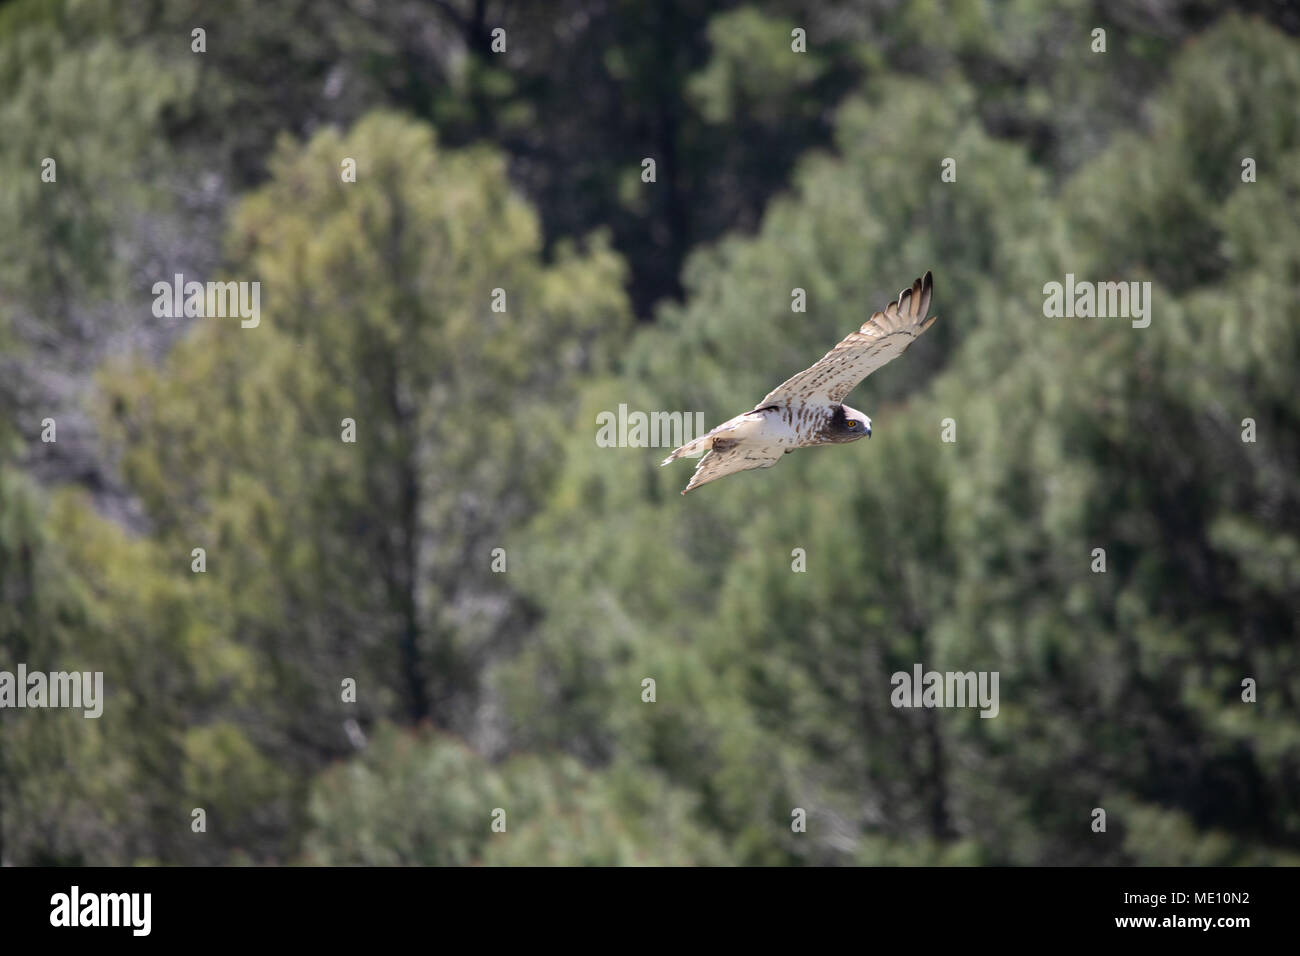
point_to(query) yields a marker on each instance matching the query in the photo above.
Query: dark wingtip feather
(927, 293)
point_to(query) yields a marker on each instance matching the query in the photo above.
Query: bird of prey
(809, 408)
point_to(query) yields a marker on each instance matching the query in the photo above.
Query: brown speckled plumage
(808, 409)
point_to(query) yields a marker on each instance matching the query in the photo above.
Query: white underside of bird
(766, 429)
(756, 439)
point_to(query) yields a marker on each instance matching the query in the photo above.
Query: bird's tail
(692, 448)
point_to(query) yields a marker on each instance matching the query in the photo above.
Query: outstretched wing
(882, 338)
(729, 456)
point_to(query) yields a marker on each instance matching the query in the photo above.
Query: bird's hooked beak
(868, 430)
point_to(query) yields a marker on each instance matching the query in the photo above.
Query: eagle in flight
(809, 408)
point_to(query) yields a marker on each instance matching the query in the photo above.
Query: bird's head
(848, 424)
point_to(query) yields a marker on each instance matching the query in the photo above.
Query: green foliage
(96, 111)
(751, 69)
(371, 560)
(1119, 690)
(428, 800)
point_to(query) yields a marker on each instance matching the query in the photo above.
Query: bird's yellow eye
(853, 424)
